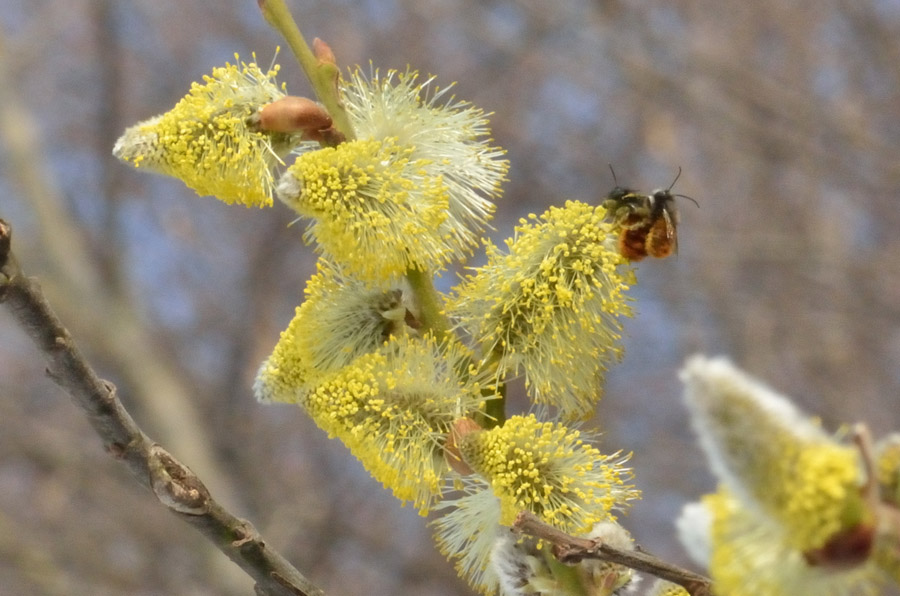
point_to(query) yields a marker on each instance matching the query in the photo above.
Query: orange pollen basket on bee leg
(649, 230)
(633, 243)
(661, 239)
(657, 239)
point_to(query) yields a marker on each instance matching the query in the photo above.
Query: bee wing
(671, 232)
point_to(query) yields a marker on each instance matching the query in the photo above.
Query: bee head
(663, 199)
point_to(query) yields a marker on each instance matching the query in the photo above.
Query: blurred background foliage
(784, 116)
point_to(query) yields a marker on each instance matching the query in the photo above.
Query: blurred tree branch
(174, 485)
(571, 549)
(78, 273)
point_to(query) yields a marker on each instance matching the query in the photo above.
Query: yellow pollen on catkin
(393, 408)
(551, 306)
(208, 139)
(774, 457)
(546, 468)
(374, 210)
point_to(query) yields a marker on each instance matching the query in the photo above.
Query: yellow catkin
(551, 305)
(752, 555)
(546, 468)
(393, 409)
(208, 140)
(768, 452)
(374, 211)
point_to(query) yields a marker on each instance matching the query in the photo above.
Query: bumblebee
(648, 224)
(625, 207)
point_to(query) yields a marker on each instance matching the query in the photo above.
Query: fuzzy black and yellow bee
(648, 224)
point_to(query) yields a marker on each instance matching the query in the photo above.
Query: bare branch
(570, 549)
(174, 485)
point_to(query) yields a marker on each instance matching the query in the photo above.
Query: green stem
(431, 315)
(323, 76)
(494, 410)
(565, 575)
(432, 318)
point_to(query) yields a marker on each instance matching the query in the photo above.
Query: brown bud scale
(293, 114)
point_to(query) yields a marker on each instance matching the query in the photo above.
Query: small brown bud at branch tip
(452, 454)
(293, 114)
(323, 52)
